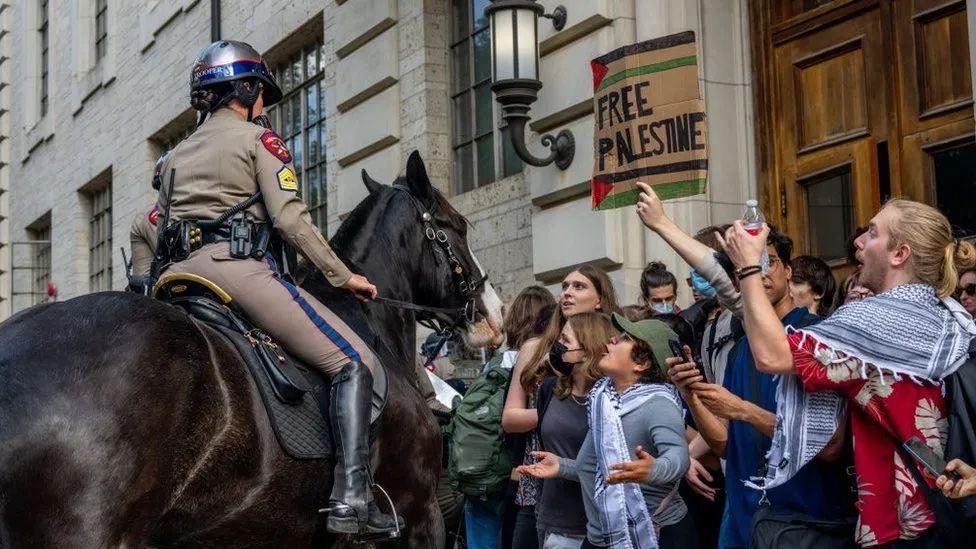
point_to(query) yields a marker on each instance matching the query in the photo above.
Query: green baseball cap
(655, 333)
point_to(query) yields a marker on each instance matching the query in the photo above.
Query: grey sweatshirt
(660, 429)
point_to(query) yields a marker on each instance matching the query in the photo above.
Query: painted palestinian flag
(650, 122)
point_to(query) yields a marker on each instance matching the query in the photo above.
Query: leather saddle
(295, 395)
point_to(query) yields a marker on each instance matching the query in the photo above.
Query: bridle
(443, 320)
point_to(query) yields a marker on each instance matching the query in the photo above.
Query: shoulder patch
(276, 146)
(287, 180)
(154, 215)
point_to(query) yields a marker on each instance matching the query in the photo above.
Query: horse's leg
(410, 465)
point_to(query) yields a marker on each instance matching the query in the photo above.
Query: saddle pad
(302, 429)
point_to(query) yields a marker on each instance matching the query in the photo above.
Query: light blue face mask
(665, 308)
(700, 285)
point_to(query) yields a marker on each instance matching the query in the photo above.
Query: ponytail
(936, 257)
(960, 256)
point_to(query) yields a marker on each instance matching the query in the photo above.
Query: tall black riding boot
(351, 508)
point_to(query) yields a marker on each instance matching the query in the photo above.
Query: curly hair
(641, 353)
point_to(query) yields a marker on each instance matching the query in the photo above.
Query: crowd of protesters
(780, 409)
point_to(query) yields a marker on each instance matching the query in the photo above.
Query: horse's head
(432, 261)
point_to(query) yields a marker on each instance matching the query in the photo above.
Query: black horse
(125, 424)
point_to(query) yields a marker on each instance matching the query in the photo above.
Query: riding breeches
(291, 316)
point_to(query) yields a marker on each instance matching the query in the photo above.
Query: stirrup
(367, 536)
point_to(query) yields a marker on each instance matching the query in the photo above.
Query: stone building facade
(92, 91)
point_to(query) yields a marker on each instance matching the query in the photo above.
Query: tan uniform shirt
(142, 241)
(227, 160)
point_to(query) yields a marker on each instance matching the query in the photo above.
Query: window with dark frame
(954, 168)
(300, 120)
(100, 247)
(43, 31)
(101, 29)
(830, 214)
(482, 151)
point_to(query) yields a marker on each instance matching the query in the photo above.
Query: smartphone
(929, 460)
(676, 348)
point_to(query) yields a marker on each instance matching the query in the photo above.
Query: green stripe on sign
(649, 69)
(665, 191)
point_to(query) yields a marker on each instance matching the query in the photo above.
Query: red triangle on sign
(600, 190)
(599, 71)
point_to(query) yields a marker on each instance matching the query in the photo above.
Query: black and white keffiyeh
(906, 331)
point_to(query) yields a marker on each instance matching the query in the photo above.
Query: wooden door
(857, 101)
(936, 108)
(830, 113)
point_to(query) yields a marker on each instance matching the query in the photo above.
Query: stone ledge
(572, 34)
(368, 150)
(100, 76)
(366, 94)
(563, 117)
(567, 194)
(41, 132)
(369, 20)
(151, 22)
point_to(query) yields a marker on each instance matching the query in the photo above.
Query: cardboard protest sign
(650, 122)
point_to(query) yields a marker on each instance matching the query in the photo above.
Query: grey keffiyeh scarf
(906, 331)
(624, 517)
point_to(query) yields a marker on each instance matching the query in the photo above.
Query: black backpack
(961, 443)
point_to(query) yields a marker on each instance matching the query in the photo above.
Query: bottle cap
(752, 203)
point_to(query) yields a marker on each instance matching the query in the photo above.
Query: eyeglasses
(968, 289)
(620, 339)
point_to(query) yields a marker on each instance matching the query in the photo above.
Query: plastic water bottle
(754, 220)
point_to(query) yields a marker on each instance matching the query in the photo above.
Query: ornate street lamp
(515, 74)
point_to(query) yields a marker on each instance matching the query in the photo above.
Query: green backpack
(479, 461)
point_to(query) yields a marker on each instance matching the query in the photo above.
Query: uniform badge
(154, 215)
(287, 179)
(276, 146)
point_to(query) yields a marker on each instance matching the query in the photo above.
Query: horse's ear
(372, 185)
(417, 179)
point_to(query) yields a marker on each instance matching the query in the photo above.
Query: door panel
(866, 99)
(932, 50)
(833, 191)
(830, 112)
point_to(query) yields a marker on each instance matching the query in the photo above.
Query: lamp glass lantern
(515, 46)
(515, 74)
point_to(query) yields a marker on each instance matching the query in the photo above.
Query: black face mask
(556, 359)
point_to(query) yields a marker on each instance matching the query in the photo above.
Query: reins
(433, 318)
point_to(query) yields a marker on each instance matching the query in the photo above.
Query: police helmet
(234, 62)
(157, 178)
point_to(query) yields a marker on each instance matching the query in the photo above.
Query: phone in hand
(929, 460)
(676, 349)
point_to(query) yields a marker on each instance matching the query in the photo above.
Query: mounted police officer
(143, 236)
(235, 191)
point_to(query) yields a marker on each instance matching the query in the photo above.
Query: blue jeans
(483, 521)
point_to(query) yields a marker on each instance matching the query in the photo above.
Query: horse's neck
(398, 328)
(366, 248)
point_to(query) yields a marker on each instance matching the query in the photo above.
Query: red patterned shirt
(883, 409)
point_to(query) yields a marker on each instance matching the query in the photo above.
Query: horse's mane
(361, 223)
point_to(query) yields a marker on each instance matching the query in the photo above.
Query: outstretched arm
(699, 256)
